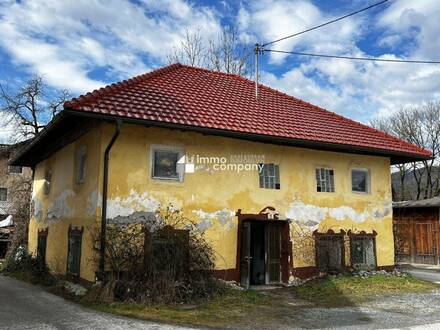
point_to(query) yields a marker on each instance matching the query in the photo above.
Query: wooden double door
(263, 252)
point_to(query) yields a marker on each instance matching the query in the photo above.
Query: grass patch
(234, 309)
(348, 290)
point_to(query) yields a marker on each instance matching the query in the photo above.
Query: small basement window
(16, 169)
(41, 245)
(165, 163)
(360, 180)
(81, 158)
(3, 194)
(270, 176)
(362, 253)
(325, 181)
(74, 251)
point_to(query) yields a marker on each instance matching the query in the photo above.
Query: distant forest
(415, 184)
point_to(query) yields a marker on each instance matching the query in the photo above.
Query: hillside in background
(410, 184)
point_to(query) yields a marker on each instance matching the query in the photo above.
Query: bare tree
(190, 51)
(225, 54)
(31, 107)
(421, 126)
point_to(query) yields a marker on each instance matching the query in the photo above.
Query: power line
(327, 23)
(375, 59)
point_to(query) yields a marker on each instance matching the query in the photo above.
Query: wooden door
(245, 255)
(273, 243)
(426, 242)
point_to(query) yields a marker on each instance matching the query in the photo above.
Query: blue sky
(82, 45)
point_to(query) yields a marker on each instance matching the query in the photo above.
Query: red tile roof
(179, 94)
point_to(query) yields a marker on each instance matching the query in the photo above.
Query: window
(3, 194)
(360, 180)
(81, 158)
(270, 176)
(165, 163)
(325, 180)
(47, 181)
(41, 245)
(74, 251)
(362, 253)
(329, 252)
(16, 169)
(169, 253)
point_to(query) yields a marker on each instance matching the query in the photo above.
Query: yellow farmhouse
(281, 188)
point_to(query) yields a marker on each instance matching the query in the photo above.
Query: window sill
(160, 179)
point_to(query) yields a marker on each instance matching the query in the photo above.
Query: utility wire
(375, 59)
(327, 23)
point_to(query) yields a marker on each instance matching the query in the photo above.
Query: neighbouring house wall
(211, 198)
(68, 203)
(7, 180)
(416, 234)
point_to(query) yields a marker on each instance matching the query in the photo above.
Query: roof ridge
(120, 85)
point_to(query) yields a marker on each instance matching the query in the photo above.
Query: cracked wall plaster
(311, 215)
(60, 208)
(225, 218)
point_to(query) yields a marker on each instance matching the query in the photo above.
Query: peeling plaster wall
(67, 203)
(211, 198)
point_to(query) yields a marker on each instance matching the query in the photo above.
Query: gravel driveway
(24, 306)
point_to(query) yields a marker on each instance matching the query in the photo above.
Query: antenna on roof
(257, 51)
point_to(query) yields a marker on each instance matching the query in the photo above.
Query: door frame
(268, 214)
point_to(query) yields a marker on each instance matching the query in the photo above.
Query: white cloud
(269, 20)
(359, 90)
(67, 40)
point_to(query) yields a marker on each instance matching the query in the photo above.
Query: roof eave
(395, 156)
(24, 157)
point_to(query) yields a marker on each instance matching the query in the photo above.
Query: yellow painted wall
(212, 197)
(67, 203)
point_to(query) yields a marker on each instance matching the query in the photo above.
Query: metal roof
(430, 202)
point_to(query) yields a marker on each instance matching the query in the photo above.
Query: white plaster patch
(225, 218)
(37, 207)
(60, 208)
(93, 202)
(312, 215)
(134, 202)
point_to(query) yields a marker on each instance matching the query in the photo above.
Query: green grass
(348, 290)
(235, 308)
(273, 308)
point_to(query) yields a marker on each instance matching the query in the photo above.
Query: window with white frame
(360, 180)
(164, 163)
(81, 158)
(3, 194)
(325, 181)
(15, 169)
(269, 176)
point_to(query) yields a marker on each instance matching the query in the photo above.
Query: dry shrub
(159, 259)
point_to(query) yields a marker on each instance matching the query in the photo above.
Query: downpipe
(101, 273)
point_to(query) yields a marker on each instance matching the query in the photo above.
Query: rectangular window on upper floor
(270, 176)
(16, 169)
(81, 164)
(325, 181)
(165, 163)
(3, 194)
(47, 180)
(360, 180)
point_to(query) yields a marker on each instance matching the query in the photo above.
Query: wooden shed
(416, 231)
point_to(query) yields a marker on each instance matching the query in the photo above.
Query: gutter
(101, 275)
